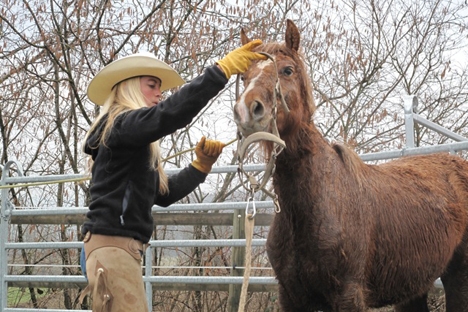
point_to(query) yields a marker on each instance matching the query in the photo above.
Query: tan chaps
(113, 267)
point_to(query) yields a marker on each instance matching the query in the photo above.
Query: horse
(351, 236)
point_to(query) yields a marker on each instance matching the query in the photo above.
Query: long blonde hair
(126, 96)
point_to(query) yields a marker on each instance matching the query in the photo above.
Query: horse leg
(310, 302)
(351, 299)
(418, 304)
(456, 291)
(455, 281)
(286, 303)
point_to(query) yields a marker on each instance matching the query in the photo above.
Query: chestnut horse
(352, 236)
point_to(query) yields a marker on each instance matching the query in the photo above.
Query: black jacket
(123, 187)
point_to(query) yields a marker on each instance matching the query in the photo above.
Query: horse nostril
(257, 110)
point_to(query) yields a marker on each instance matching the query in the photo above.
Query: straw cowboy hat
(139, 64)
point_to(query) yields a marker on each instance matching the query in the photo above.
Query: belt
(133, 246)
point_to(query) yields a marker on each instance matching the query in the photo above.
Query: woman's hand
(239, 60)
(207, 152)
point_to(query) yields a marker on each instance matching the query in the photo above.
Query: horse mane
(352, 162)
(349, 157)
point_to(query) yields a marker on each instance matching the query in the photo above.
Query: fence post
(5, 214)
(237, 259)
(148, 273)
(4, 221)
(410, 105)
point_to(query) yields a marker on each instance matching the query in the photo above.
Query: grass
(19, 296)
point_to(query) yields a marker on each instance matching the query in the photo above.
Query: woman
(127, 176)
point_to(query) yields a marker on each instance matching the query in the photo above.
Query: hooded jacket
(123, 186)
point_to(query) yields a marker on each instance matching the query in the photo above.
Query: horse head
(257, 108)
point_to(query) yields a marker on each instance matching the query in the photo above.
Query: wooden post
(237, 259)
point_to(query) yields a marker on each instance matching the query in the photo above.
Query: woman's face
(151, 88)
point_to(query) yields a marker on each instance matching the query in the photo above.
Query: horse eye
(288, 71)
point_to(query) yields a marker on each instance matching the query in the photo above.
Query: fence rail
(177, 214)
(166, 216)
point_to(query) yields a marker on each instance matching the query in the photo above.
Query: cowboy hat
(138, 64)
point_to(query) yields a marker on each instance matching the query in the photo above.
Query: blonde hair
(126, 96)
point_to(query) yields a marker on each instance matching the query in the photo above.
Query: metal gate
(8, 211)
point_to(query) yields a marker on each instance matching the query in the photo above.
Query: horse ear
(244, 38)
(292, 38)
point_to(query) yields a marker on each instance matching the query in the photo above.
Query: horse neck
(302, 148)
(302, 165)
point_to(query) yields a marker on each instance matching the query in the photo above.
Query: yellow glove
(207, 152)
(239, 60)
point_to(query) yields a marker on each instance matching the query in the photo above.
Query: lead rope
(249, 227)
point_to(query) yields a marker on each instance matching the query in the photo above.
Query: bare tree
(363, 57)
(366, 56)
